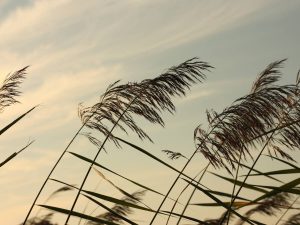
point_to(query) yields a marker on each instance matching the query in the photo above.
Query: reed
(260, 125)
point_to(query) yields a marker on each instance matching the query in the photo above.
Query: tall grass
(9, 91)
(261, 125)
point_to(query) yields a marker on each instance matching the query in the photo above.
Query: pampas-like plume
(241, 125)
(269, 206)
(293, 220)
(9, 89)
(121, 210)
(146, 99)
(44, 220)
(218, 221)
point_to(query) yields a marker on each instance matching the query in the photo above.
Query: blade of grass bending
(239, 183)
(77, 214)
(292, 190)
(119, 189)
(278, 172)
(107, 198)
(167, 165)
(110, 210)
(235, 204)
(223, 194)
(116, 201)
(119, 175)
(59, 181)
(125, 203)
(284, 188)
(152, 156)
(188, 218)
(96, 156)
(221, 203)
(14, 154)
(4, 129)
(53, 168)
(259, 172)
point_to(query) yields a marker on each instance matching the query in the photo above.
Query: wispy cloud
(76, 48)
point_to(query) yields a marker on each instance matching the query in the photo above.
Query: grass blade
(14, 154)
(239, 183)
(77, 214)
(111, 211)
(278, 172)
(4, 129)
(119, 175)
(152, 156)
(221, 203)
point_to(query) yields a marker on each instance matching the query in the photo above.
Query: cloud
(75, 50)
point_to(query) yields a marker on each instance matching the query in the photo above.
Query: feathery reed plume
(285, 113)
(145, 99)
(293, 220)
(233, 129)
(43, 220)
(240, 126)
(269, 206)
(120, 210)
(218, 220)
(9, 89)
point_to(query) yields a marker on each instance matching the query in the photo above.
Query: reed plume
(269, 206)
(245, 123)
(293, 220)
(118, 211)
(145, 99)
(10, 88)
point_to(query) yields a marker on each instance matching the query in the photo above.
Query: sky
(75, 49)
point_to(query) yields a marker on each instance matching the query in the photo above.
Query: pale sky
(76, 48)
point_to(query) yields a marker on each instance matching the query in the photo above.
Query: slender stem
(191, 196)
(182, 191)
(234, 185)
(172, 186)
(182, 170)
(278, 127)
(245, 179)
(95, 158)
(53, 168)
(86, 206)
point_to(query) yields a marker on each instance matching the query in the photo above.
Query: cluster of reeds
(262, 125)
